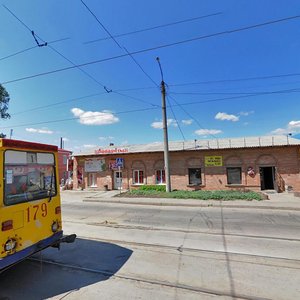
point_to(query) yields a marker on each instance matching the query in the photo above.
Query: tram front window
(28, 176)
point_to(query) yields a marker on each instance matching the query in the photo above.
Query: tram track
(140, 279)
(246, 258)
(113, 224)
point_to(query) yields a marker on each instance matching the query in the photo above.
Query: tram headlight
(10, 245)
(55, 226)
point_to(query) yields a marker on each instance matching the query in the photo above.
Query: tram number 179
(33, 211)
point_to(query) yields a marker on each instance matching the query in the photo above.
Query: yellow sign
(213, 161)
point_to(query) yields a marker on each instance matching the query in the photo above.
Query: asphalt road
(150, 252)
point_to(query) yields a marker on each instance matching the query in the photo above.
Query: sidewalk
(282, 201)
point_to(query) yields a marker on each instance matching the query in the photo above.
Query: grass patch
(159, 192)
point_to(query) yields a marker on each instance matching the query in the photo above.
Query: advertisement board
(94, 165)
(213, 161)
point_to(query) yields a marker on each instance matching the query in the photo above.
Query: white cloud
(159, 124)
(224, 116)
(42, 130)
(208, 131)
(105, 138)
(94, 117)
(280, 131)
(292, 127)
(88, 146)
(246, 113)
(187, 122)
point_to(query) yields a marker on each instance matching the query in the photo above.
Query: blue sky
(226, 85)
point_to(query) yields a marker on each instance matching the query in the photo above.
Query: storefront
(256, 163)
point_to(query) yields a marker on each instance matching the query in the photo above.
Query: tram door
(117, 180)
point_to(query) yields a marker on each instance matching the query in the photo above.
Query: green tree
(4, 100)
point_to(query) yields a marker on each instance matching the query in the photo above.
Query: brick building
(64, 164)
(252, 163)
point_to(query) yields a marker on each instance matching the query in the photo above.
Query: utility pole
(165, 129)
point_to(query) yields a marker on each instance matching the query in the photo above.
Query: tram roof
(9, 143)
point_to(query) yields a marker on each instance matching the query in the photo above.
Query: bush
(158, 188)
(159, 191)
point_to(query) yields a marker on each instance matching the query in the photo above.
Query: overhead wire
(154, 27)
(116, 42)
(71, 62)
(164, 94)
(220, 81)
(121, 47)
(192, 117)
(226, 32)
(176, 120)
(153, 108)
(146, 102)
(77, 118)
(227, 98)
(238, 79)
(30, 48)
(57, 103)
(155, 48)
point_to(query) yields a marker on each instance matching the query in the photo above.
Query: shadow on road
(33, 279)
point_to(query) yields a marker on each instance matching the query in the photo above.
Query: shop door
(267, 178)
(92, 180)
(117, 180)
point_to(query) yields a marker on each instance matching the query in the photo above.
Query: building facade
(256, 163)
(64, 169)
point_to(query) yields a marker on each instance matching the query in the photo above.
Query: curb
(193, 204)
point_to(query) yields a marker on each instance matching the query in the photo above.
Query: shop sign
(213, 161)
(112, 151)
(94, 165)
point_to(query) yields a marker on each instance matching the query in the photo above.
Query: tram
(30, 207)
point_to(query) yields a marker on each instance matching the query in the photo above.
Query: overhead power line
(118, 92)
(237, 79)
(30, 48)
(36, 37)
(157, 47)
(77, 118)
(57, 103)
(154, 27)
(216, 81)
(117, 43)
(71, 62)
(176, 120)
(190, 116)
(158, 107)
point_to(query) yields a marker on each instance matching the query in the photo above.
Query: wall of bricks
(285, 159)
(63, 155)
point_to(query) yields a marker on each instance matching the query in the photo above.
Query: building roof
(226, 143)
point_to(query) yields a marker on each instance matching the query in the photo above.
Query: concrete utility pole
(165, 129)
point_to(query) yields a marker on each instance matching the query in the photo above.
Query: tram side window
(28, 176)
